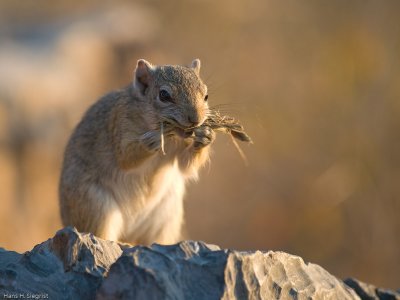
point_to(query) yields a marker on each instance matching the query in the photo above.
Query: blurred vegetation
(316, 84)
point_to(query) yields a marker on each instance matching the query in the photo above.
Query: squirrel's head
(177, 93)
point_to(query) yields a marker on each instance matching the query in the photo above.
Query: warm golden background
(316, 84)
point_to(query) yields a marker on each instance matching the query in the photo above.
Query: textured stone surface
(194, 270)
(369, 292)
(72, 265)
(68, 266)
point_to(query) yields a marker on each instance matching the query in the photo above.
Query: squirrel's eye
(165, 96)
(206, 98)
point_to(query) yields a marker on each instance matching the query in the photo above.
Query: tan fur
(115, 182)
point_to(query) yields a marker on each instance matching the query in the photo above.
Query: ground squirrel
(115, 180)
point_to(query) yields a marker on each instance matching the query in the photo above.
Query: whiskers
(169, 120)
(222, 108)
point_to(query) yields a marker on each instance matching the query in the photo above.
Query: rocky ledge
(73, 265)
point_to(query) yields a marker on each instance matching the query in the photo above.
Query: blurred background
(315, 83)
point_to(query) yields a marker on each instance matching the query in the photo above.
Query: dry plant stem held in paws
(216, 122)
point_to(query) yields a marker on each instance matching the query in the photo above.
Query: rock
(369, 292)
(194, 270)
(68, 266)
(73, 265)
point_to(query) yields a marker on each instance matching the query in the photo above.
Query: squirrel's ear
(196, 65)
(143, 74)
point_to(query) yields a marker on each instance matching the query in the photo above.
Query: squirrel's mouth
(176, 127)
(183, 133)
(172, 122)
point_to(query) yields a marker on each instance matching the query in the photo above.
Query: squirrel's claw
(203, 136)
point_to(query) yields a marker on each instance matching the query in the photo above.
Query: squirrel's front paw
(151, 140)
(203, 136)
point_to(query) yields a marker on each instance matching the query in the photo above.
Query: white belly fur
(151, 205)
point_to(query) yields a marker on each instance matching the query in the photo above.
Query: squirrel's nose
(194, 121)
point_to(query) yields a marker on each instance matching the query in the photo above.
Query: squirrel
(116, 182)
